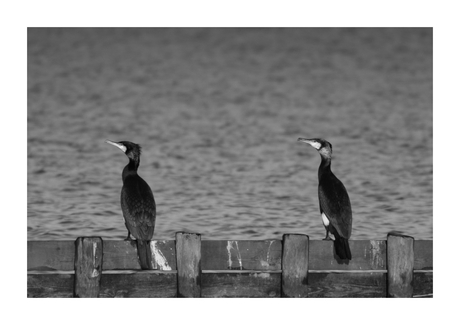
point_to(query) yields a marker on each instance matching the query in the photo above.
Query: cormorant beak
(116, 144)
(312, 143)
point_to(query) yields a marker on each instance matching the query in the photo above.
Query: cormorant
(334, 203)
(137, 203)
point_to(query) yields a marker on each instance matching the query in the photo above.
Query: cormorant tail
(342, 248)
(145, 254)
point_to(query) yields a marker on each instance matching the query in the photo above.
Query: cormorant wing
(138, 206)
(335, 203)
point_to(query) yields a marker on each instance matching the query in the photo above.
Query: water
(218, 113)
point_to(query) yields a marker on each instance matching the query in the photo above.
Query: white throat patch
(315, 145)
(122, 148)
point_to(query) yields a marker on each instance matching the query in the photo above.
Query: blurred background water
(218, 113)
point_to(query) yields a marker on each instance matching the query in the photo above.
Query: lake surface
(218, 113)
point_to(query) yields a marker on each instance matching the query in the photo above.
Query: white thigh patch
(325, 220)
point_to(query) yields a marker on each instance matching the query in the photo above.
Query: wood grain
(241, 254)
(346, 285)
(423, 255)
(50, 285)
(122, 255)
(367, 255)
(51, 267)
(234, 285)
(188, 250)
(88, 266)
(423, 285)
(400, 261)
(50, 255)
(218, 255)
(139, 285)
(295, 266)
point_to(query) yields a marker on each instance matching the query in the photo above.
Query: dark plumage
(137, 203)
(334, 203)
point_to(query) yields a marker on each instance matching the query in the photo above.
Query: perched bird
(137, 203)
(334, 203)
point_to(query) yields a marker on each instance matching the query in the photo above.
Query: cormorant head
(132, 150)
(324, 148)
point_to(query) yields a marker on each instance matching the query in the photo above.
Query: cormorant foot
(327, 238)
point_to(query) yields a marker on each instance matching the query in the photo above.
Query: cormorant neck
(324, 167)
(130, 168)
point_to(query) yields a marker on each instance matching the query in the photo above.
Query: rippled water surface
(218, 113)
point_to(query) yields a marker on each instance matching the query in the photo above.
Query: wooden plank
(239, 285)
(346, 285)
(119, 255)
(163, 254)
(50, 285)
(122, 255)
(423, 255)
(138, 285)
(241, 254)
(188, 250)
(295, 266)
(50, 255)
(367, 255)
(88, 266)
(423, 285)
(254, 255)
(400, 261)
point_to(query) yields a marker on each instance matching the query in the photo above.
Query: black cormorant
(137, 203)
(334, 203)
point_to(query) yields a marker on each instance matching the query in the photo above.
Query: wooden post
(188, 252)
(400, 264)
(294, 266)
(88, 267)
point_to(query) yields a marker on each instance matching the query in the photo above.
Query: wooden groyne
(191, 267)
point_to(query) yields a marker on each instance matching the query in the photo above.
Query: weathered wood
(88, 266)
(139, 284)
(122, 255)
(423, 260)
(163, 254)
(346, 285)
(400, 261)
(295, 266)
(50, 255)
(367, 255)
(241, 268)
(217, 255)
(423, 285)
(50, 285)
(240, 285)
(423, 255)
(188, 251)
(241, 255)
